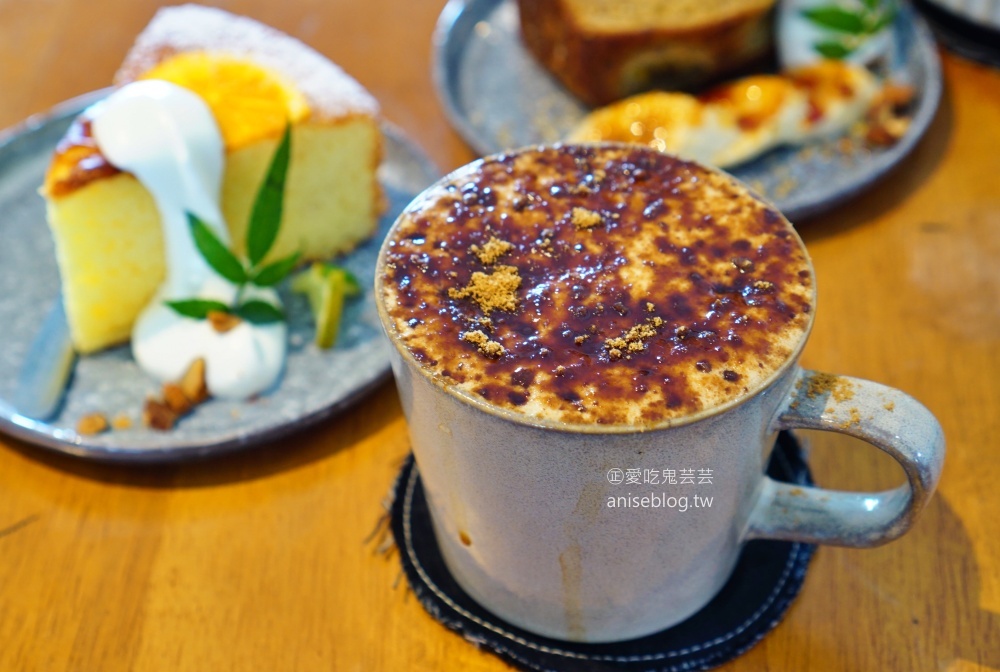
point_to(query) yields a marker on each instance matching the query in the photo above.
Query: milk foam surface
(597, 284)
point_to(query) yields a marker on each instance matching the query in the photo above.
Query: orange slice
(249, 102)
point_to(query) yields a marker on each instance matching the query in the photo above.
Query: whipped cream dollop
(168, 139)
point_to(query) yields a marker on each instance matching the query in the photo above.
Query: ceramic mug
(544, 524)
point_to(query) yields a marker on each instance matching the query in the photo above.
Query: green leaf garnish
(265, 218)
(836, 50)
(215, 253)
(312, 277)
(352, 287)
(883, 21)
(197, 308)
(259, 312)
(836, 18)
(851, 27)
(262, 231)
(276, 271)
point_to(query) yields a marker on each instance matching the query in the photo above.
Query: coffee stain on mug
(449, 465)
(588, 505)
(571, 565)
(585, 513)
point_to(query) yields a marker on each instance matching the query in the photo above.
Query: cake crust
(331, 92)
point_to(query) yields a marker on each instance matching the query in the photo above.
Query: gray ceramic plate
(498, 98)
(316, 383)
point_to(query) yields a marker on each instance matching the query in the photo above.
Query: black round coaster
(767, 578)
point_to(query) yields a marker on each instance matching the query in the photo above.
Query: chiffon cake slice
(106, 227)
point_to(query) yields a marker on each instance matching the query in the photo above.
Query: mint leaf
(352, 287)
(276, 271)
(835, 50)
(835, 18)
(215, 253)
(259, 312)
(882, 21)
(265, 218)
(196, 308)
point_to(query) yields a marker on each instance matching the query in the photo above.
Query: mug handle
(884, 417)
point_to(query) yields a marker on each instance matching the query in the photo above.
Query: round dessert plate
(498, 97)
(316, 383)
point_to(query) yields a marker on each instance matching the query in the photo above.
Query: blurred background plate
(498, 97)
(316, 383)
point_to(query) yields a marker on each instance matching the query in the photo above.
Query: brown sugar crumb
(482, 341)
(495, 291)
(121, 421)
(763, 285)
(843, 390)
(486, 323)
(891, 406)
(743, 264)
(579, 340)
(492, 250)
(585, 219)
(92, 423)
(855, 419)
(633, 340)
(839, 389)
(650, 307)
(560, 370)
(222, 321)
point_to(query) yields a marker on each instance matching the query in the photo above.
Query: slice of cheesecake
(255, 80)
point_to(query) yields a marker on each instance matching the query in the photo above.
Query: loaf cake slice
(604, 50)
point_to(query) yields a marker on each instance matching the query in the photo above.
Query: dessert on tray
(740, 120)
(253, 79)
(227, 155)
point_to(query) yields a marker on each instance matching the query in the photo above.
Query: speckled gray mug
(560, 528)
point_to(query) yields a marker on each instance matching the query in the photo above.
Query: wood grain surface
(259, 560)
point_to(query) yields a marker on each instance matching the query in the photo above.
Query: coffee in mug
(595, 346)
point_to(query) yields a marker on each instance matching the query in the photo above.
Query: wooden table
(258, 561)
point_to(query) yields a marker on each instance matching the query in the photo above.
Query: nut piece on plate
(603, 50)
(888, 118)
(91, 424)
(177, 399)
(157, 415)
(193, 382)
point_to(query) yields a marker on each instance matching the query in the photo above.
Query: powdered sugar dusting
(331, 92)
